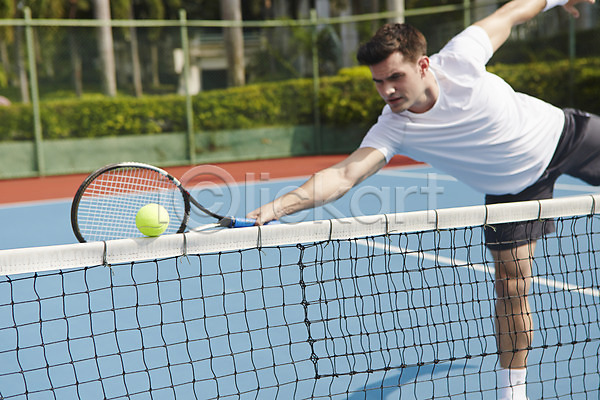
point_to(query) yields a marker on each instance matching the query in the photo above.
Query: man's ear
(423, 65)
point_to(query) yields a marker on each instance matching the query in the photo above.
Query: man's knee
(512, 288)
(513, 271)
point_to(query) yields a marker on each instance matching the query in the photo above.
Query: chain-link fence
(75, 60)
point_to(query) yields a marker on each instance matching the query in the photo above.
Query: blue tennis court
(370, 318)
(400, 189)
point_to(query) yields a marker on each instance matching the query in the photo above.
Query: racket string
(109, 204)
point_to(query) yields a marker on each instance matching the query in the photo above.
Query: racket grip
(232, 222)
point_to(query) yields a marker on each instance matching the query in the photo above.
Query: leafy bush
(17, 122)
(556, 82)
(285, 103)
(348, 99)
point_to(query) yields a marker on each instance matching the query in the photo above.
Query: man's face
(401, 83)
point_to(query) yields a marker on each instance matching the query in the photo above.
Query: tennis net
(385, 306)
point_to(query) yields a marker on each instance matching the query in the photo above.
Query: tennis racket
(106, 203)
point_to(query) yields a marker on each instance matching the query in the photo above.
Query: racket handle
(232, 222)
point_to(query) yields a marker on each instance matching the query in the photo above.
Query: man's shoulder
(471, 45)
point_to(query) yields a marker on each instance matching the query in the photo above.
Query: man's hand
(323, 187)
(277, 209)
(263, 214)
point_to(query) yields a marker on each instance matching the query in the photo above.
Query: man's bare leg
(514, 330)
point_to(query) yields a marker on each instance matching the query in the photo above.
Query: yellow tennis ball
(152, 219)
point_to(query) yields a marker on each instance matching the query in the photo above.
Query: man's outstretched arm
(324, 186)
(499, 24)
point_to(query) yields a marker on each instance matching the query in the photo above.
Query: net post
(316, 82)
(35, 97)
(189, 109)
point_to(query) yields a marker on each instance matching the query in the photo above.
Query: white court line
(442, 177)
(416, 175)
(484, 268)
(576, 188)
(35, 203)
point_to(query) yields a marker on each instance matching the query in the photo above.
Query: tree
(74, 51)
(7, 10)
(20, 59)
(398, 7)
(105, 41)
(482, 9)
(234, 43)
(155, 9)
(349, 38)
(123, 9)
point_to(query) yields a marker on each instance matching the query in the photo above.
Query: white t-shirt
(480, 130)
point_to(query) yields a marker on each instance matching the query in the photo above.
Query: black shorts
(577, 154)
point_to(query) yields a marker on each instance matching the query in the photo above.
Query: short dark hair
(390, 38)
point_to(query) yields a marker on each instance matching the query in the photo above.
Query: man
(447, 110)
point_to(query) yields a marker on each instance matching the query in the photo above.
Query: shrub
(348, 99)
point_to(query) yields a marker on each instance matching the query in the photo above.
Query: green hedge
(556, 82)
(348, 99)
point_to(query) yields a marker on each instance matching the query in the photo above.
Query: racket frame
(111, 167)
(223, 221)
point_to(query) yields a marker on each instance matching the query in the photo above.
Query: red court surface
(65, 186)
